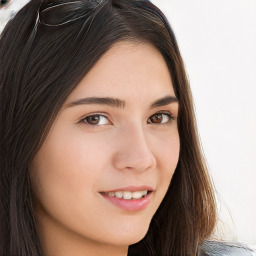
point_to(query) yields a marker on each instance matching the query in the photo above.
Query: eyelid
(82, 120)
(164, 112)
(104, 114)
(167, 112)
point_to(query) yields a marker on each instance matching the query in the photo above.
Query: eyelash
(168, 114)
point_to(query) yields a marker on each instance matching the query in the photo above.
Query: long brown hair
(45, 51)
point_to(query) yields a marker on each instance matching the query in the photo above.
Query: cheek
(167, 148)
(168, 154)
(66, 169)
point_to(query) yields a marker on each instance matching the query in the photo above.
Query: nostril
(139, 161)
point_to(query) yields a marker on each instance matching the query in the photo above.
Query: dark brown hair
(42, 59)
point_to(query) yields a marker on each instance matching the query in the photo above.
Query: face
(117, 132)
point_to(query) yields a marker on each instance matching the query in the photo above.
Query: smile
(126, 200)
(128, 195)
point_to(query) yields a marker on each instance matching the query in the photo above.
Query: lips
(131, 189)
(130, 203)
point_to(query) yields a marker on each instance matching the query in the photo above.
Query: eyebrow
(117, 103)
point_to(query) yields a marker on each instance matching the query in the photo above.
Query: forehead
(127, 70)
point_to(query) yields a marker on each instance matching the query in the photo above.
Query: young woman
(99, 147)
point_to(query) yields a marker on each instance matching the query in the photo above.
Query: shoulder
(219, 248)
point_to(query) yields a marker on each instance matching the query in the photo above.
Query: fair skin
(136, 143)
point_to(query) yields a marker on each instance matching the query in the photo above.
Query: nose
(133, 152)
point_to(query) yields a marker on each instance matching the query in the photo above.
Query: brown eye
(161, 118)
(157, 118)
(96, 120)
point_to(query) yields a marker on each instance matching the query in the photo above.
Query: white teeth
(119, 194)
(137, 194)
(128, 194)
(111, 194)
(144, 192)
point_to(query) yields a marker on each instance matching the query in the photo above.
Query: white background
(217, 39)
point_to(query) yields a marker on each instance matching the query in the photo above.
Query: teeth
(144, 193)
(128, 194)
(139, 194)
(119, 194)
(111, 194)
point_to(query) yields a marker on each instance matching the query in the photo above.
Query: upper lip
(132, 188)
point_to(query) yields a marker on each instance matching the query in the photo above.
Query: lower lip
(132, 204)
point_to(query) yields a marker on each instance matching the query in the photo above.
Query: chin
(127, 241)
(126, 238)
